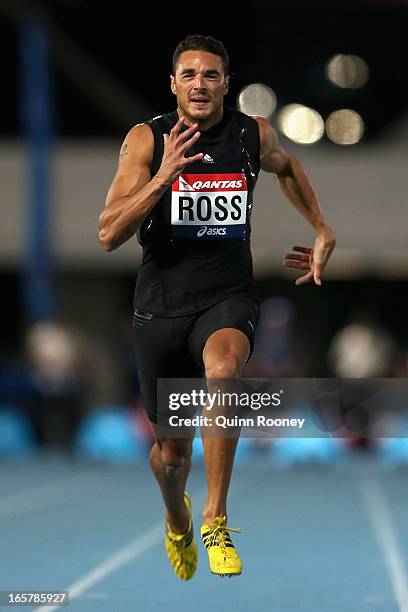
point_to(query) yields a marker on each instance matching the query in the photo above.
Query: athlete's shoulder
(138, 144)
(144, 134)
(263, 123)
(140, 131)
(163, 121)
(267, 133)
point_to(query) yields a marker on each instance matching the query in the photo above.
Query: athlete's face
(199, 84)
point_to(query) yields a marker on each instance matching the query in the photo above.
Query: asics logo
(211, 231)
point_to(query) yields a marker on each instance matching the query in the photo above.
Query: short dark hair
(198, 42)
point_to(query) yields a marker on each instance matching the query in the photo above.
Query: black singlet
(196, 240)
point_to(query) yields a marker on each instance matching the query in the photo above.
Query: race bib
(209, 206)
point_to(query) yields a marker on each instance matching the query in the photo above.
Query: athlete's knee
(229, 366)
(173, 454)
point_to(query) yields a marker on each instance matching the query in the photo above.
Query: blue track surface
(309, 541)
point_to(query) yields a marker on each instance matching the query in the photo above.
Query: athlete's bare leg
(171, 462)
(225, 355)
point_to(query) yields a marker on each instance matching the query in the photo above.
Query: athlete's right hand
(176, 145)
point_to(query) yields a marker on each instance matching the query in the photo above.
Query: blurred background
(76, 76)
(77, 499)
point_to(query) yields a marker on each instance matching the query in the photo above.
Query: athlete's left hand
(314, 260)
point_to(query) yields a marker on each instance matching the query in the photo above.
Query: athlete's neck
(205, 124)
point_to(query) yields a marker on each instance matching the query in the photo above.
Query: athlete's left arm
(298, 189)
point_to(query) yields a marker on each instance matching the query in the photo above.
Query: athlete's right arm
(134, 192)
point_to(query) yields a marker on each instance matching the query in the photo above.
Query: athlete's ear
(227, 80)
(172, 84)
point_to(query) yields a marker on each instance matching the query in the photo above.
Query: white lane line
(39, 496)
(126, 554)
(381, 519)
(122, 557)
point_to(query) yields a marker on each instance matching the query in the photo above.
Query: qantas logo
(184, 186)
(217, 185)
(210, 185)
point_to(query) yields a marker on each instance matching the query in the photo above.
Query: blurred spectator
(54, 353)
(70, 373)
(277, 350)
(363, 349)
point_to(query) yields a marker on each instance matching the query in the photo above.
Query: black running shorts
(172, 347)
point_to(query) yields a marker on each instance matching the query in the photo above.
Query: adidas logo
(207, 159)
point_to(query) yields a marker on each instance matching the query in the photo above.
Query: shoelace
(220, 530)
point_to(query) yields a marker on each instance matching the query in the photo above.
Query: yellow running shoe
(181, 548)
(223, 558)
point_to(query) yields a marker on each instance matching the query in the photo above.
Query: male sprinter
(185, 182)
